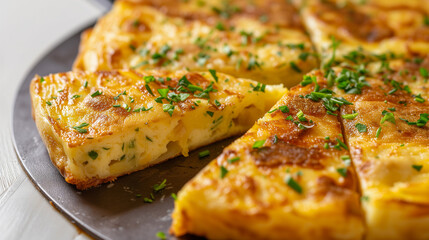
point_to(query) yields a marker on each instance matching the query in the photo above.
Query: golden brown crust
(250, 198)
(372, 27)
(260, 40)
(99, 125)
(276, 12)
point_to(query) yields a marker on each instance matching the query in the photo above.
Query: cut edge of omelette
(98, 126)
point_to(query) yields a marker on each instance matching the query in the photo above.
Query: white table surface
(28, 29)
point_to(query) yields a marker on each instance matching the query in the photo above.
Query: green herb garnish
(293, 184)
(213, 73)
(223, 171)
(350, 116)
(160, 186)
(96, 93)
(81, 128)
(342, 171)
(204, 153)
(360, 127)
(417, 167)
(93, 155)
(258, 144)
(233, 160)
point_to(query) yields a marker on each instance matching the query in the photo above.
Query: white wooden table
(28, 29)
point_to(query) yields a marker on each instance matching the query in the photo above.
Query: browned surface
(276, 12)
(359, 24)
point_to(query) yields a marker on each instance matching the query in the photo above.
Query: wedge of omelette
(346, 30)
(260, 40)
(101, 125)
(289, 177)
(387, 132)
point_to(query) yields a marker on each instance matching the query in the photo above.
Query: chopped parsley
(213, 73)
(142, 109)
(419, 98)
(253, 64)
(347, 160)
(204, 153)
(75, 96)
(202, 59)
(377, 133)
(42, 79)
(161, 235)
(217, 103)
(294, 46)
(96, 93)
(210, 113)
(293, 184)
(342, 171)
(350, 116)
(258, 144)
(360, 127)
(93, 155)
(169, 108)
(122, 93)
(233, 160)
(174, 196)
(424, 72)
(223, 171)
(219, 26)
(387, 116)
(259, 87)
(295, 67)
(340, 144)
(81, 128)
(417, 167)
(159, 187)
(303, 56)
(49, 103)
(421, 122)
(284, 109)
(149, 90)
(273, 110)
(172, 96)
(351, 82)
(426, 20)
(306, 80)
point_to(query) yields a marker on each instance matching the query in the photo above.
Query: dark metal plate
(112, 211)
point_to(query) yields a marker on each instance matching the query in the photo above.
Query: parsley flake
(342, 171)
(417, 167)
(96, 93)
(361, 127)
(93, 155)
(81, 128)
(350, 116)
(223, 172)
(204, 153)
(233, 160)
(293, 184)
(258, 144)
(160, 186)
